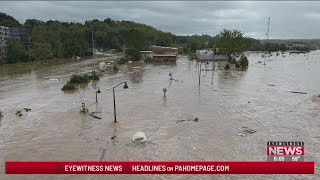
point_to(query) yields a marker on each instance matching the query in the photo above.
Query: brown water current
(224, 103)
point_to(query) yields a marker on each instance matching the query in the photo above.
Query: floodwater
(225, 103)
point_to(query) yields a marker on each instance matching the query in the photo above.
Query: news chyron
(286, 151)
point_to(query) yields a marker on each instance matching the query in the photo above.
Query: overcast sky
(289, 20)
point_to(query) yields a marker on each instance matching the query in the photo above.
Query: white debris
(139, 137)
(102, 65)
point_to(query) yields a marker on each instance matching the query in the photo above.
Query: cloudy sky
(289, 20)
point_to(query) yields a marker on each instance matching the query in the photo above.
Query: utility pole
(93, 53)
(60, 53)
(29, 47)
(267, 34)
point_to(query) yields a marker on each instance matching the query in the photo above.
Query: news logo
(286, 151)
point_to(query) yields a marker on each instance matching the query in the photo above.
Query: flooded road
(225, 102)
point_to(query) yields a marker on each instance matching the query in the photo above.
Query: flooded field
(225, 102)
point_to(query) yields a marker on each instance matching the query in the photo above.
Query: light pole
(93, 50)
(97, 91)
(164, 92)
(114, 99)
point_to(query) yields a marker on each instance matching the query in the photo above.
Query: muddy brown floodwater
(226, 102)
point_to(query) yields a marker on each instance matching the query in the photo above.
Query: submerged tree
(232, 41)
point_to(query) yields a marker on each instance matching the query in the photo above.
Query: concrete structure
(220, 58)
(164, 54)
(4, 36)
(204, 55)
(146, 54)
(19, 34)
(208, 55)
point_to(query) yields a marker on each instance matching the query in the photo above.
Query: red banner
(159, 168)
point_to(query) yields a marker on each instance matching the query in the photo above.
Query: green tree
(15, 51)
(132, 54)
(231, 40)
(42, 51)
(9, 21)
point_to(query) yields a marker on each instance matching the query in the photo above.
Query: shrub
(133, 54)
(193, 56)
(68, 86)
(227, 66)
(243, 61)
(94, 77)
(115, 68)
(79, 79)
(237, 65)
(148, 60)
(232, 60)
(122, 61)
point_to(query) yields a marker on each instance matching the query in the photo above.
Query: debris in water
(139, 137)
(271, 85)
(246, 131)
(20, 115)
(18, 112)
(183, 120)
(113, 137)
(248, 101)
(193, 148)
(97, 117)
(297, 92)
(251, 131)
(27, 109)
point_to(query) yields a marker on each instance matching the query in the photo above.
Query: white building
(4, 36)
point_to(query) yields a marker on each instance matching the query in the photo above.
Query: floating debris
(113, 137)
(251, 131)
(27, 109)
(18, 112)
(297, 92)
(246, 131)
(271, 85)
(94, 116)
(183, 120)
(20, 115)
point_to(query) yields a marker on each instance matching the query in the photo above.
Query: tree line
(55, 39)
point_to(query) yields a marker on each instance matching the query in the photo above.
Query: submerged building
(161, 54)
(208, 55)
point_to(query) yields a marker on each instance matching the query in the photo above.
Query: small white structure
(102, 65)
(139, 137)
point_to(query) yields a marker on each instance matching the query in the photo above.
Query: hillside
(9, 21)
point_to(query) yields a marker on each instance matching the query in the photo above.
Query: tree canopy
(55, 39)
(9, 21)
(232, 41)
